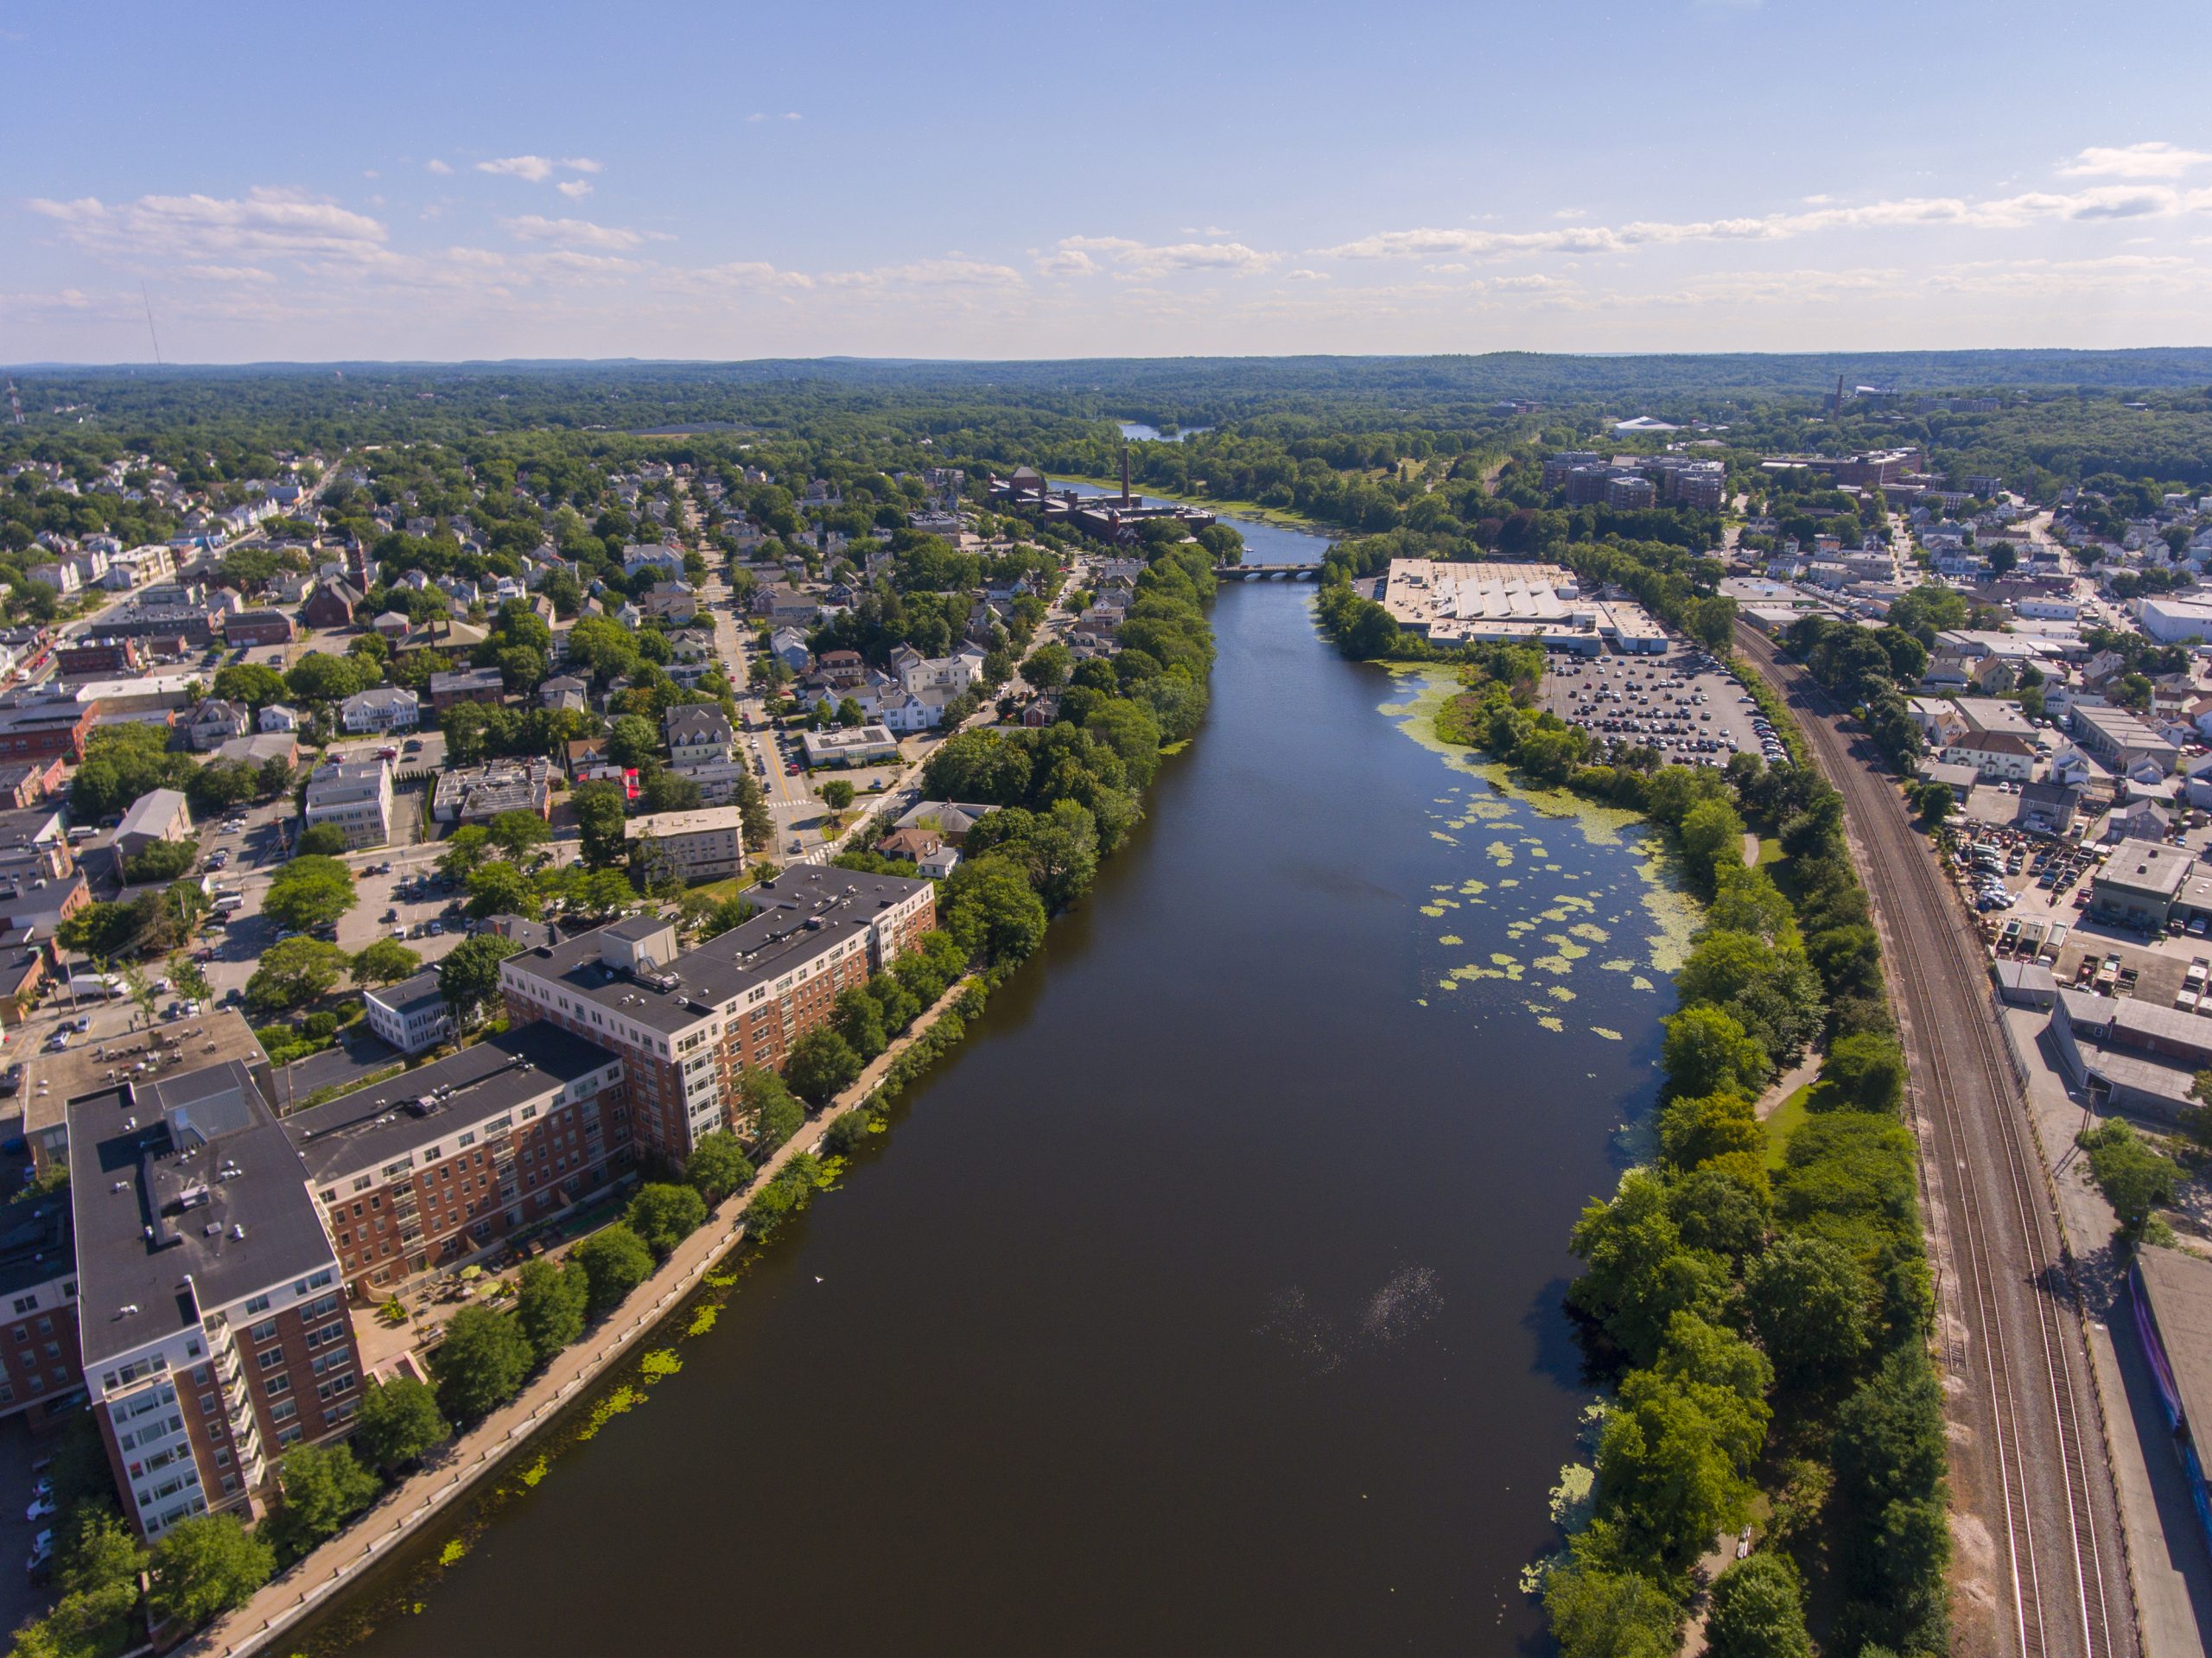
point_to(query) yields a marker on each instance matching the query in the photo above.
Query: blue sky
(723, 180)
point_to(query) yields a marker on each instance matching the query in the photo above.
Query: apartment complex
(686, 1023)
(40, 1375)
(438, 1163)
(354, 796)
(704, 844)
(215, 1334)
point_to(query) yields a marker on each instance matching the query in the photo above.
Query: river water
(1207, 1300)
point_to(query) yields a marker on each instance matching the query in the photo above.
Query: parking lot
(1684, 703)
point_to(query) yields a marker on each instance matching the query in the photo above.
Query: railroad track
(2034, 1467)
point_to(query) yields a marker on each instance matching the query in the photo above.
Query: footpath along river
(1206, 1300)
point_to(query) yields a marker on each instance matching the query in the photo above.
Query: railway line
(2032, 1464)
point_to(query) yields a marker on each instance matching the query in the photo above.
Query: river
(1137, 432)
(1206, 1300)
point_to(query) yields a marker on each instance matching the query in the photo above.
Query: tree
(310, 891)
(1713, 838)
(160, 860)
(615, 1261)
(385, 962)
(465, 849)
(251, 683)
(501, 888)
(323, 1489)
(837, 794)
(990, 910)
(1757, 1610)
(549, 1303)
(718, 1167)
(187, 980)
(323, 678)
(2134, 1177)
(293, 974)
(821, 1064)
(1707, 1052)
(1693, 1129)
(398, 1423)
(600, 809)
(321, 840)
(631, 740)
(205, 1565)
(1889, 1444)
(519, 833)
(1637, 1271)
(469, 975)
(480, 1364)
(776, 1116)
(1810, 1302)
(1598, 1611)
(859, 1019)
(665, 1214)
(1865, 1072)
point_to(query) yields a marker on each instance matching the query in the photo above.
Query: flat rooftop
(804, 911)
(2179, 1288)
(186, 1196)
(367, 1129)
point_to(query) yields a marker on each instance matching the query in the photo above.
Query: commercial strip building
(850, 746)
(1497, 603)
(686, 1023)
(2146, 884)
(355, 797)
(477, 794)
(704, 844)
(2121, 740)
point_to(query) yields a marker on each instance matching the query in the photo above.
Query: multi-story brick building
(215, 1330)
(101, 658)
(45, 731)
(40, 1376)
(686, 1023)
(436, 1165)
(466, 685)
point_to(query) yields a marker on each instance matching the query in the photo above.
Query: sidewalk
(285, 1600)
(1808, 1069)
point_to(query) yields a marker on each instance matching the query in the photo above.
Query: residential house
(278, 716)
(157, 814)
(563, 692)
(412, 1015)
(215, 721)
(653, 556)
(788, 646)
(786, 606)
(697, 734)
(387, 709)
(675, 602)
(952, 819)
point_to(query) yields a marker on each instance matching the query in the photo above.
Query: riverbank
(488, 1447)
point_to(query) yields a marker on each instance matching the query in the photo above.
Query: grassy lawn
(1787, 1118)
(728, 887)
(1770, 851)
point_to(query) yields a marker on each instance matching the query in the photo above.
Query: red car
(387, 754)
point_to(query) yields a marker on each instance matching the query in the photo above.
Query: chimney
(1127, 498)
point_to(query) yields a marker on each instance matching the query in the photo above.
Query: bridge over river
(1266, 572)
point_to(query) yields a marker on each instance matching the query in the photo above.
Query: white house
(387, 709)
(278, 717)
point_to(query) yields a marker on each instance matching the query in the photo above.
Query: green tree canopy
(480, 1364)
(615, 1261)
(398, 1423)
(549, 1303)
(718, 1167)
(663, 1215)
(204, 1566)
(310, 892)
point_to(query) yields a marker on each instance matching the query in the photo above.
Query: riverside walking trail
(487, 1448)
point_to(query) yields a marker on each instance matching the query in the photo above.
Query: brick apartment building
(257, 627)
(686, 1023)
(101, 658)
(45, 731)
(40, 1376)
(440, 1162)
(215, 1329)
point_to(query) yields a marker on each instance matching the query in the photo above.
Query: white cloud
(577, 232)
(2009, 213)
(434, 165)
(536, 169)
(574, 190)
(2153, 159)
(764, 115)
(1084, 255)
(266, 223)
(1306, 275)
